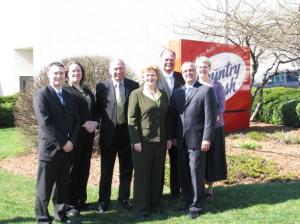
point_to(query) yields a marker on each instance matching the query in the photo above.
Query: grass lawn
(253, 203)
(12, 142)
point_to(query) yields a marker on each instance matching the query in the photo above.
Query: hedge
(7, 108)
(279, 106)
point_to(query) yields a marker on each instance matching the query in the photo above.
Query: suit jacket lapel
(193, 92)
(54, 95)
(163, 84)
(177, 82)
(111, 92)
(126, 89)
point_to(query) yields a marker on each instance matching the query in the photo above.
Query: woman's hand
(205, 145)
(90, 126)
(169, 144)
(137, 147)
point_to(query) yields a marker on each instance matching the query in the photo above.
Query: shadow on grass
(267, 129)
(243, 196)
(227, 198)
(17, 220)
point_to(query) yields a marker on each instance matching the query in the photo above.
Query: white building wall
(135, 30)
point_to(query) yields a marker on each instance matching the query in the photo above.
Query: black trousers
(174, 176)
(80, 168)
(148, 172)
(191, 164)
(52, 178)
(120, 147)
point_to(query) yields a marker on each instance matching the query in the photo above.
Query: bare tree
(271, 29)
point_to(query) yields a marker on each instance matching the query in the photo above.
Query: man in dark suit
(56, 113)
(193, 109)
(111, 107)
(170, 80)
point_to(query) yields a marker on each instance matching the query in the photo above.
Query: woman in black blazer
(82, 154)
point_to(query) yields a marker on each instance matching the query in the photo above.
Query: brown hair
(81, 67)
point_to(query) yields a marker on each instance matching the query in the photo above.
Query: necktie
(61, 97)
(120, 104)
(169, 82)
(188, 92)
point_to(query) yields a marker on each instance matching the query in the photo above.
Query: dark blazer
(106, 108)
(161, 83)
(85, 114)
(57, 123)
(148, 122)
(194, 119)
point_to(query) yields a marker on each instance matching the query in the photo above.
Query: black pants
(191, 164)
(120, 146)
(52, 178)
(80, 168)
(148, 172)
(174, 176)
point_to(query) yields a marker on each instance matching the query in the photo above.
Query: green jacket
(148, 121)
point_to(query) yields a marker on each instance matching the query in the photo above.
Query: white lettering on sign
(230, 70)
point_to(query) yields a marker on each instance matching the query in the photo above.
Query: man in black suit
(56, 113)
(193, 109)
(111, 107)
(169, 80)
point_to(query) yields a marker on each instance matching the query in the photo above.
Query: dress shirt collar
(115, 82)
(170, 75)
(187, 86)
(57, 90)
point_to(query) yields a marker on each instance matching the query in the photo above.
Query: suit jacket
(162, 83)
(57, 123)
(148, 122)
(106, 108)
(194, 118)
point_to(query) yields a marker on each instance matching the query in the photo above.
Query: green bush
(96, 69)
(7, 108)
(273, 101)
(298, 110)
(245, 167)
(286, 114)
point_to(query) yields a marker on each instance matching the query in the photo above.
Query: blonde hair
(150, 68)
(204, 60)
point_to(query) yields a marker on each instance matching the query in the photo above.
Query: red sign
(230, 66)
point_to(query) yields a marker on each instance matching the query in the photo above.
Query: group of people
(181, 113)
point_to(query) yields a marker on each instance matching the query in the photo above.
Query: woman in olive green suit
(149, 127)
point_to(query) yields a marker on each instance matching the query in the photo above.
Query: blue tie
(61, 97)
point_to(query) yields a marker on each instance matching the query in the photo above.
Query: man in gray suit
(169, 80)
(56, 113)
(111, 108)
(193, 109)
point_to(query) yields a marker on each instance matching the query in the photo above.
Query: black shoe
(125, 204)
(103, 207)
(193, 214)
(157, 211)
(83, 206)
(64, 219)
(183, 207)
(209, 196)
(72, 213)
